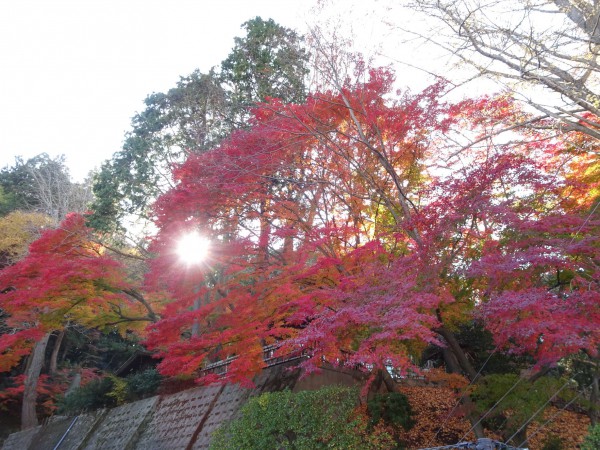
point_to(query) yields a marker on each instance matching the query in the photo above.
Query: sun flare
(192, 248)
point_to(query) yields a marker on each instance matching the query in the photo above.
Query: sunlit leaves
(17, 230)
(65, 277)
(354, 227)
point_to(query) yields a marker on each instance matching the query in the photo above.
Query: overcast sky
(74, 72)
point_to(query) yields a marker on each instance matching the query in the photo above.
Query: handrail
(65, 433)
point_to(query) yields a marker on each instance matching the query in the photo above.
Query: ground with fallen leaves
(439, 421)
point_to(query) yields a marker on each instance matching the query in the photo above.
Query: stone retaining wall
(184, 420)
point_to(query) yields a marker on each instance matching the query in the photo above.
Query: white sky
(74, 72)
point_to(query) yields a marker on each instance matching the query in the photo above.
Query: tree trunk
(196, 307)
(451, 363)
(32, 375)
(539, 374)
(264, 235)
(55, 350)
(383, 378)
(595, 399)
(196, 323)
(458, 352)
(453, 366)
(75, 383)
(288, 247)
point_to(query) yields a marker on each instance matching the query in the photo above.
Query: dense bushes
(111, 391)
(327, 418)
(392, 408)
(592, 440)
(92, 396)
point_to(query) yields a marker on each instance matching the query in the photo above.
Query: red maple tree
(358, 227)
(65, 278)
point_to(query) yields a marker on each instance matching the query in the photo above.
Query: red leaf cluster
(64, 278)
(353, 226)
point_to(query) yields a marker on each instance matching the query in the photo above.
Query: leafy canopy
(64, 278)
(350, 226)
(194, 116)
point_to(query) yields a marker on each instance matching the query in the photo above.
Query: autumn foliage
(361, 227)
(358, 228)
(64, 278)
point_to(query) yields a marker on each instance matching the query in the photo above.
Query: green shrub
(392, 408)
(592, 440)
(553, 442)
(111, 391)
(321, 419)
(507, 399)
(93, 395)
(143, 384)
(119, 390)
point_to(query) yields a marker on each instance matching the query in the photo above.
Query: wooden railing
(221, 367)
